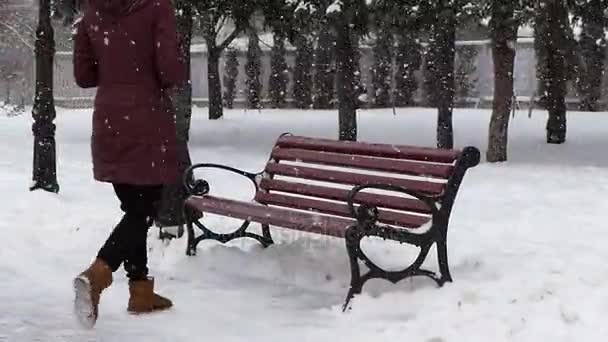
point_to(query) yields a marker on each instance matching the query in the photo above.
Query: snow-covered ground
(527, 243)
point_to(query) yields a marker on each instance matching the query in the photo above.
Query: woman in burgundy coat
(128, 49)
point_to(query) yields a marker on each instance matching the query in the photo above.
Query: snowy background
(527, 243)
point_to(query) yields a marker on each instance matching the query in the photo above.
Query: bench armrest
(369, 213)
(200, 187)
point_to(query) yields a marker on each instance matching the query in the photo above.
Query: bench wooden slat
(339, 209)
(350, 178)
(363, 162)
(310, 222)
(367, 149)
(380, 200)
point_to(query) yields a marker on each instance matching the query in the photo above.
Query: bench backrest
(317, 174)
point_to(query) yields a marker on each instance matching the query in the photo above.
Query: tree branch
(229, 39)
(220, 24)
(18, 35)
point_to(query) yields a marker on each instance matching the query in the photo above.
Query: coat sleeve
(170, 65)
(85, 62)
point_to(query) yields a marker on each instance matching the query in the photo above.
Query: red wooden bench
(323, 186)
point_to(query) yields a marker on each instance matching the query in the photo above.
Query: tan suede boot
(88, 286)
(143, 299)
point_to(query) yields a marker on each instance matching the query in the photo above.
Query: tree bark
(215, 87)
(302, 89)
(504, 33)
(346, 78)
(324, 75)
(557, 17)
(214, 52)
(231, 68)
(444, 36)
(183, 100)
(170, 211)
(383, 66)
(593, 45)
(277, 83)
(408, 60)
(253, 71)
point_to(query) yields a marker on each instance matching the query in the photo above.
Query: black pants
(127, 243)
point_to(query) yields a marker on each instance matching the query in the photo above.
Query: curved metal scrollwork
(353, 239)
(430, 202)
(367, 217)
(200, 187)
(207, 234)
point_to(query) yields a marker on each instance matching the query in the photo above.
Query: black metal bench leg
(266, 235)
(353, 239)
(190, 217)
(191, 248)
(442, 256)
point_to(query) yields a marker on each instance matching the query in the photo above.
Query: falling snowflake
(106, 41)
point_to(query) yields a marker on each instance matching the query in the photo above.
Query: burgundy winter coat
(128, 49)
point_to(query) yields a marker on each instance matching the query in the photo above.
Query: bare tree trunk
(324, 75)
(556, 104)
(302, 89)
(253, 71)
(504, 33)
(593, 45)
(346, 78)
(557, 17)
(170, 211)
(279, 71)
(216, 111)
(442, 67)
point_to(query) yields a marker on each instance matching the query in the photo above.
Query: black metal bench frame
(366, 225)
(198, 187)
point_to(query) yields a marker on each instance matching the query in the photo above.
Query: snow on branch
(335, 7)
(302, 6)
